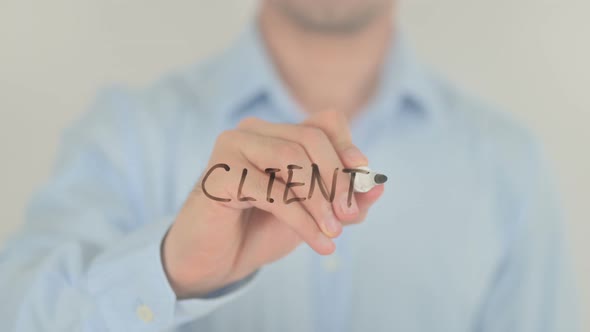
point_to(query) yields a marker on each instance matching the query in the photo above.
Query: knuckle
(289, 152)
(312, 135)
(226, 137)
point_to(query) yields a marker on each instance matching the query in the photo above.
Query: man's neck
(327, 71)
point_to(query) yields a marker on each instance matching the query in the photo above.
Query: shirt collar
(246, 76)
(405, 85)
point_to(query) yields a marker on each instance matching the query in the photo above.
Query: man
(127, 236)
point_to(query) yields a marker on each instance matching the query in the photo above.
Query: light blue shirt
(467, 236)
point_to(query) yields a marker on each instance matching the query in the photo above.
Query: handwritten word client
(356, 184)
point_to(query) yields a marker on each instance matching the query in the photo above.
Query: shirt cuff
(132, 292)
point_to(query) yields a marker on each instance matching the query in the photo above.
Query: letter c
(219, 199)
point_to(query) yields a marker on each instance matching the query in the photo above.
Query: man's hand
(212, 244)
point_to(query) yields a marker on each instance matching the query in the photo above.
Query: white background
(530, 57)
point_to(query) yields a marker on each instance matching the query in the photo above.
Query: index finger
(335, 125)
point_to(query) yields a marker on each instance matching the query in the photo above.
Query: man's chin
(331, 16)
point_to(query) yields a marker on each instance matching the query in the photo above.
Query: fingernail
(333, 226)
(349, 210)
(354, 156)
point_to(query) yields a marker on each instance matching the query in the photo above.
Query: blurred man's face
(333, 16)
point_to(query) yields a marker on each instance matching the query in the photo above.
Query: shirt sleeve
(533, 289)
(88, 256)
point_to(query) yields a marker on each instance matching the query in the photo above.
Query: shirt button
(331, 263)
(145, 313)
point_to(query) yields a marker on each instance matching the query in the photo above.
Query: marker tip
(380, 178)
